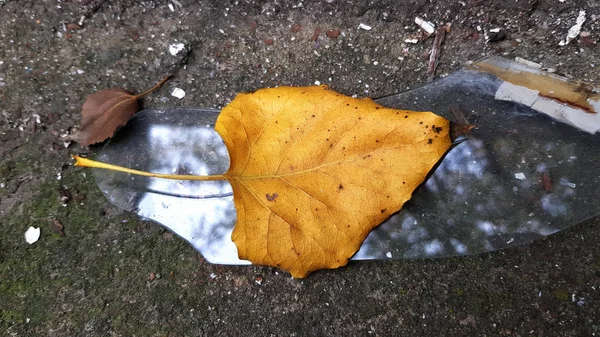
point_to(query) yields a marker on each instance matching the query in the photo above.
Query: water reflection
(174, 142)
(487, 194)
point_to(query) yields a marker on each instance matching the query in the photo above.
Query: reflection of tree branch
(187, 196)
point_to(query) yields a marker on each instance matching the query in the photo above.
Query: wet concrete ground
(112, 274)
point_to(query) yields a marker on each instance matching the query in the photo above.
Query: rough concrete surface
(112, 274)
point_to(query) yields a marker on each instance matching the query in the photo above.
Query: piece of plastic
(471, 203)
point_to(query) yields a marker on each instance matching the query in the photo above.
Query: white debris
(411, 40)
(520, 176)
(175, 48)
(575, 30)
(425, 25)
(178, 92)
(528, 63)
(565, 182)
(317, 83)
(364, 26)
(171, 7)
(495, 30)
(389, 255)
(213, 275)
(32, 235)
(588, 122)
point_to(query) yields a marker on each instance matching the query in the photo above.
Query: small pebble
(178, 92)
(333, 33)
(175, 48)
(364, 27)
(32, 235)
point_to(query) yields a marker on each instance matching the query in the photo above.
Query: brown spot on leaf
(271, 197)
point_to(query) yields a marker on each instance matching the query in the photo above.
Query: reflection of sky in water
(458, 246)
(487, 227)
(433, 247)
(189, 150)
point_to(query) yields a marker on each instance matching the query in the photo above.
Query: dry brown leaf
(314, 171)
(57, 227)
(104, 111)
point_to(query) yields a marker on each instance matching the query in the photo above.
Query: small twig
(458, 114)
(440, 34)
(138, 96)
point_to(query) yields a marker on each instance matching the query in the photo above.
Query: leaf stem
(85, 162)
(156, 86)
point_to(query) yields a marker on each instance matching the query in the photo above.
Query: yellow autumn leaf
(314, 171)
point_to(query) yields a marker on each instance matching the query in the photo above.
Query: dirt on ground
(114, 274)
